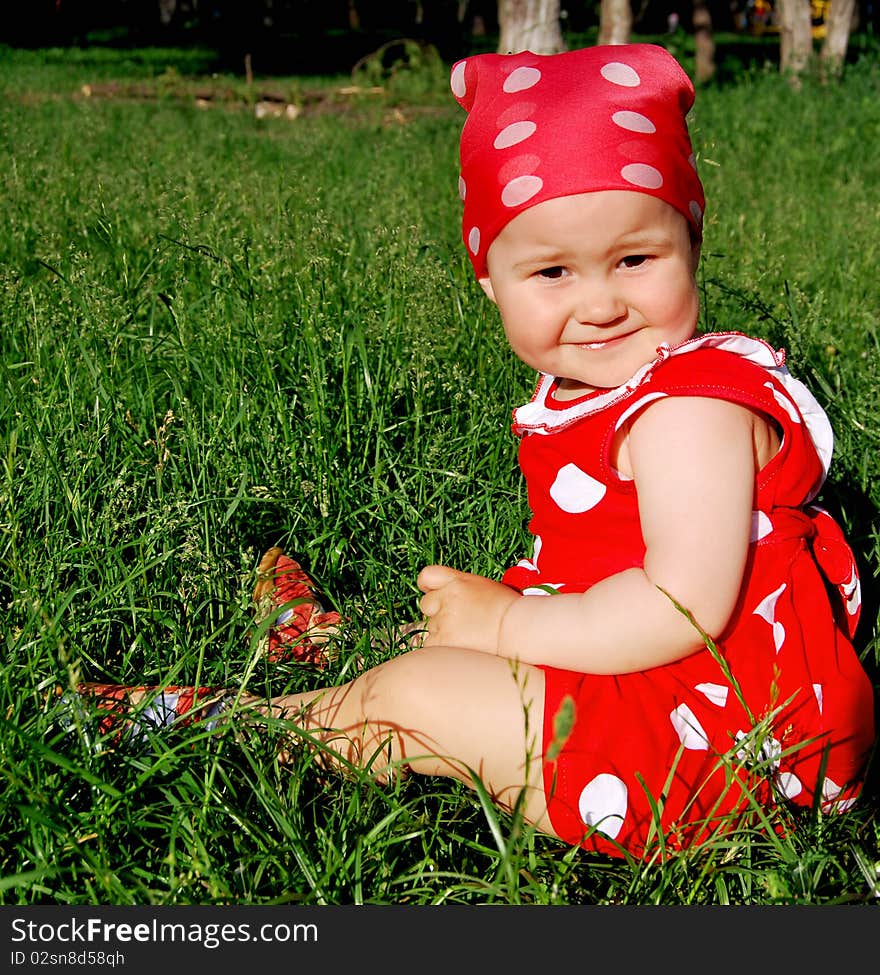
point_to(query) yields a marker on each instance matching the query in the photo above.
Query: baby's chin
(600, 381)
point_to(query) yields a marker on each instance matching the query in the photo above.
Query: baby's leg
(437, 711)
(434, 711)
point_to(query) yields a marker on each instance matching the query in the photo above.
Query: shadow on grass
(858, 514)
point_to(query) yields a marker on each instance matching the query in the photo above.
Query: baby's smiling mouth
(613, 340)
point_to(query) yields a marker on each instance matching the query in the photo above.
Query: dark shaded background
(319, 36)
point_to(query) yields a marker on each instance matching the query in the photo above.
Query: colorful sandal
(127, 712)
(303, 630)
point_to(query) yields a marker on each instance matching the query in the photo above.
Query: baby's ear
(486, 285)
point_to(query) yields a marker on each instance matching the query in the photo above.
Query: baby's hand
(462, 609)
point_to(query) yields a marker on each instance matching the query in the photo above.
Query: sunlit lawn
(221, 333)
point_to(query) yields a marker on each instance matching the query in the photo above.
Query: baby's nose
(598, 304)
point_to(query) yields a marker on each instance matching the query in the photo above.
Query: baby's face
(589, 286)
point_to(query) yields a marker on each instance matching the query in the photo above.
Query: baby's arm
(693, 463)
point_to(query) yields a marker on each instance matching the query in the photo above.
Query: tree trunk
(167, 9)
(704, 41)
(615, 22)
(529, 25)
(795, 37)
(837, 29)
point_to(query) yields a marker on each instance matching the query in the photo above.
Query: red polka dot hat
(539, 126)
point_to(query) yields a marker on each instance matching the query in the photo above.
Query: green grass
(220, 333)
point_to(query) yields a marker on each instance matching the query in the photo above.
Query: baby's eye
(634, 260)
(552, 273)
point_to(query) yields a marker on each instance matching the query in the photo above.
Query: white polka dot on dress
(841, 805)
(778, 635)
(474, 240)
(575, 491)
(830, 791)
(603, 804)
(537, 545)
(532, 563)
(688, 728)
(788, 784)
(716, 693)
(852, 593)
(766, 609)
(545, 589)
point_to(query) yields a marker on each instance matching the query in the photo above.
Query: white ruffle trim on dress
(794, 397)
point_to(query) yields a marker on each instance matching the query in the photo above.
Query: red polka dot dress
(779, 707)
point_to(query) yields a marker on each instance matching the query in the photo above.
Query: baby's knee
(386, 703)
(395, 688)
